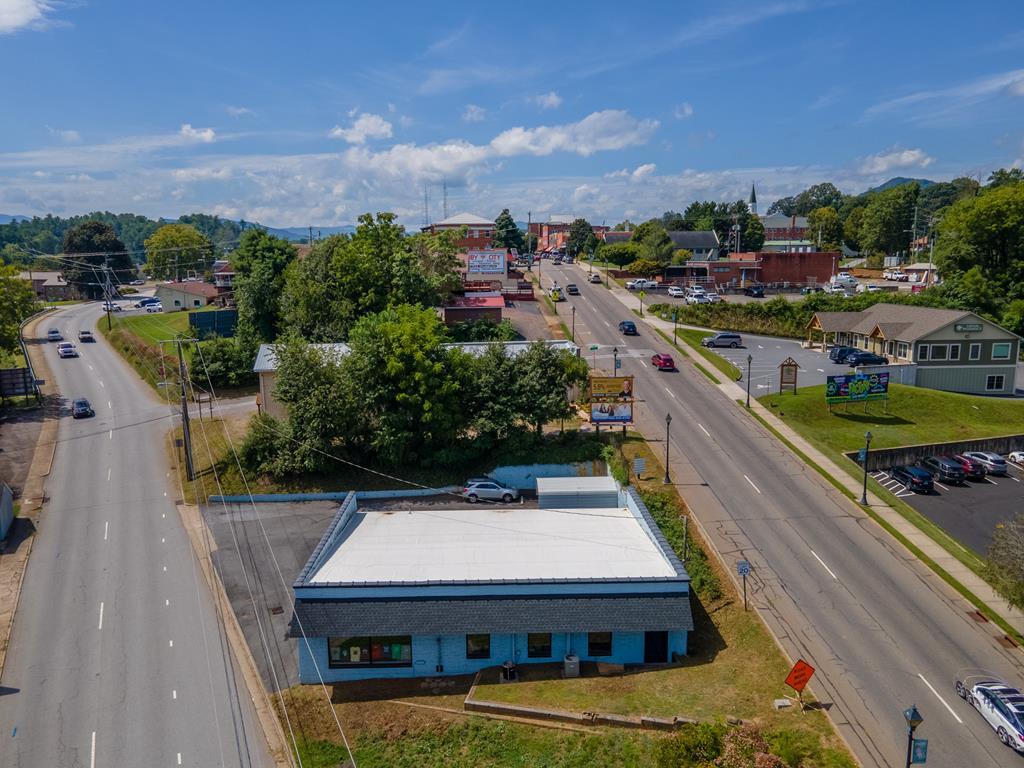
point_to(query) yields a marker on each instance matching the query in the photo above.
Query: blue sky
(607, 110)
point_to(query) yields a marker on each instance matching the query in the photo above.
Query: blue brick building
(430, 592)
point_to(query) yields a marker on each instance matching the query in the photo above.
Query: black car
(913, 478)
(628, 328)
(945, 469)
(839, 354)
(81, 409)
(572, 289)
(865, 358)
(756, 291)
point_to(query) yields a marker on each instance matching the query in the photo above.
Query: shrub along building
(947, 349)
(449, 592)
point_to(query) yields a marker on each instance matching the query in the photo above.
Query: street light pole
(668, 425)
(914, 719)
(615, 360)
(573, 323)
(675, 325)
(867, 447)
(750, 359)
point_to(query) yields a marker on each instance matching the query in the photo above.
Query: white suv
(676, 292)
(1000, 705)
(485, 488)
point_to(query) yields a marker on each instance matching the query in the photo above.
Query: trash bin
(508, 672)
(572, 666)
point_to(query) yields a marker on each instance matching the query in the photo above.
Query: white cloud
(549, 100)
(619, 174)
(941, 103)
(239, 111)
(66, 135)
(894, 159)
(200, 135)
(1017, 88)
(606, 130)
(643, 171)
(473, 114)
(683, 111)
(22, 14)
(365, 126)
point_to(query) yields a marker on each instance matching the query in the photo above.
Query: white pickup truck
(641, 284)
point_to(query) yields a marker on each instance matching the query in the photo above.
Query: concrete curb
(269, 721)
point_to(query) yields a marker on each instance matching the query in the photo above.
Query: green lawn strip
(697, 365)
(933, 531)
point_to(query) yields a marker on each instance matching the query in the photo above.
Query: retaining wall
(884, 458)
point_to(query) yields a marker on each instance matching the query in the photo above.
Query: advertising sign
(489, 262)
(856, 387)
(611, 413)
(611, 399)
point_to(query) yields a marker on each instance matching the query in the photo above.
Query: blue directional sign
(743, 567)
(618, 364)
(861, 455)
(919, 751)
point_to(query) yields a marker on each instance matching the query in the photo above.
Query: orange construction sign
(799, 676)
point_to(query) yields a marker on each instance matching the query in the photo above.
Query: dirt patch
(19, 431)
(528, 319)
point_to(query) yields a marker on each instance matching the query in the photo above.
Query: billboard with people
(611, 399)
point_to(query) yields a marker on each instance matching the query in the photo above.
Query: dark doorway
(655, 647)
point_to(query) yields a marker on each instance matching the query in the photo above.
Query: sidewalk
(943, 559)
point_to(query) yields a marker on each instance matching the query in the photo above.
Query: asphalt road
(117, 657)
(882, 630)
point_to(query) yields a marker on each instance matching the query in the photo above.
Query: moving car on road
(663, 362)
(112, 306)
(945, 469)
(595, 277)
(993, 463)
(1002, 707)
(754, 291)
(485, 488)
(81, 409)
(157, 307)
(862, 357)
(66, 349)
(572, 289)
(86, 336)
(723, 340)
(628, 328)
(972, 469)
(54, 335)
(913, 478)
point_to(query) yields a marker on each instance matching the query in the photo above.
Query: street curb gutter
(269, 722)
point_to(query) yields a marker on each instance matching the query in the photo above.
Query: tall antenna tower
(444, 189)
(426, 206)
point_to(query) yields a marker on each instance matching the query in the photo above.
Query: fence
(6, 510)
(218, 322)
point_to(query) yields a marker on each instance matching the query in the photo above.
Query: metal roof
(910, 322)
(464, 220)
(547, 485)
(698, 239)
(266, 360)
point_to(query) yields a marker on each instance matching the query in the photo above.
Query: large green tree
(657, 246)
(582, 241)
(1004, 177)
(674, 222)
(89, 247)
(888, 219)
(619, 254)
(17, 301)
(260, 262)
(544, 378)
(825, 228)
(816, 196)
(175, 250)
(753, 234)
(507, 234)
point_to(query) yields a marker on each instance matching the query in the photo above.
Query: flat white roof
(576, 484)
(492, 543)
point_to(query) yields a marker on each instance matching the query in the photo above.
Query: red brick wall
(797, 267)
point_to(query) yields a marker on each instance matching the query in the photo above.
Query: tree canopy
(176, 250)
(507, 234)
(825, 228)
(89, 247)
(17, 301)
(887, 220)
(582, 240)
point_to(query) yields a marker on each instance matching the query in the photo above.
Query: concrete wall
(524, 476)
(627, 648)
(883, 458)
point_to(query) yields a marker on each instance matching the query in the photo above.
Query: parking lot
(969, 512)
(768, 352)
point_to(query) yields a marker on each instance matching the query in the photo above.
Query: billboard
(611, 399)
(488, 262)
(611, 413)
(855, 387)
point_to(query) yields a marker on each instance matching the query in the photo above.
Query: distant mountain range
(899, 181)
(5, 219)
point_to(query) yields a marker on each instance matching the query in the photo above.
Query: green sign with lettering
(967, 327)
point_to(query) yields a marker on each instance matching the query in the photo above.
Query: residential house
(787, 234)
(703, 244)
(452, 591)
(223, 275)
(49, 286)
(479, 231)
(186, 294)
(947, 349)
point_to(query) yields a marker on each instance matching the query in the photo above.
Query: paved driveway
(768, 352)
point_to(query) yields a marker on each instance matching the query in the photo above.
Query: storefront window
(478, 646)
(386, 650)
(538, 645)
(599, 644)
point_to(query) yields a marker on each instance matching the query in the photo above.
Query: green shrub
(672, 523)
(227, 363)
(266, 449)
(693, 745)
(794, 746)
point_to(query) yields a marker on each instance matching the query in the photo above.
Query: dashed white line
(1016, 480)
(111, 435)
(704, 430)
(759, 346)
(673, 394)
(165, 493)
(179, 758)
(106, 528)
(167, 602)
(751, 483)
(170, 643)
(101, 617)
(92, 751)
(110, 404)
(163, 540)
(102, 384)
(165, 569)
(108, 473)
(90, 368)
(930, 688)
(174, 695)
(607, 323)
(830, 571)
(820, 370)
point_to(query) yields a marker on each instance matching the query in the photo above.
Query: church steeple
(753, 199)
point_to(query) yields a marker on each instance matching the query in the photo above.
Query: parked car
(641, 284)
(698, 298)
(913, 478)
(945, 469)
(158, 307)
(835, 290)
(993, 463)
(863, 357)
(809, 289)
(556, 260)
(81, 409)
(145, 300)
(754, 291)
(54, 335)
(628, 328)
(869, 288)
(714, 297)
(112, 306)
(723, 340)
(480, 488)
(973, 470)
(663, 362)
(676, 292)
(1001, 705)
(86, 336)
(1017, 457)
(572, 289)
(137, 282)
(66, 349)
(839, 354)
(595, 277)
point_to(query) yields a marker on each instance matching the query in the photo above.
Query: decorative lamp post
(615, 359)
(914, 719)
(867, 448)
(675, 325)
(573, 323)
(668, 425)
(750, 359)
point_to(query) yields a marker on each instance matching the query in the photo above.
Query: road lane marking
(163, 514)
(108, 473)
(106, 527)
(706, 432)
(821, 370)
(90, 368)
(1016, 480)
(163, 540)
(903, 495)
(111, 434)
(174, 695)
(759, 346)
(102, 384)
(170, 643)
(830, 571)
(643, 363)
(751, 483)
(167, 602)
(179, 758)
(165, 569)
(941, 486)
(92, 751)
(670, 392)
(110, 405)
(607, 323)
(954, 714)
(101, 617)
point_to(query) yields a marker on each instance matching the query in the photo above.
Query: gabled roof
(195, 288)
(781, 220)
(691, 240)
(896, 321)
(464, 220)
(561, 218)
(617, 237)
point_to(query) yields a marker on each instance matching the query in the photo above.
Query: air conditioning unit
(571, 666)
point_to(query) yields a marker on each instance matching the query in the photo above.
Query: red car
(663, 362)
(974, 470)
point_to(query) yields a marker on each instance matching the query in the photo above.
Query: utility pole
(310, 234)
(106, 289)
(186, 437)
(444, 193)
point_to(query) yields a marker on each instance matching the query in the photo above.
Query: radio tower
(444, 190)
(426, 206)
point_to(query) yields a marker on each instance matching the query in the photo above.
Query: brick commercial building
(553, 234)
(484, 305)
(774, 269)
(479, 231)
(49, 286)
(786, 234)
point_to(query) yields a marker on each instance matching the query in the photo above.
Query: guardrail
(24, 347)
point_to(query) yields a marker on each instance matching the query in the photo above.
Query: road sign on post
(743, 569)
(639, 466)
(798, 678)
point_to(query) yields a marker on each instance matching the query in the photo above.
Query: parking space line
(941, 485)
(903, 495)
(989, 480)
(930, 688)
(1016, 480)
(643, 363)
